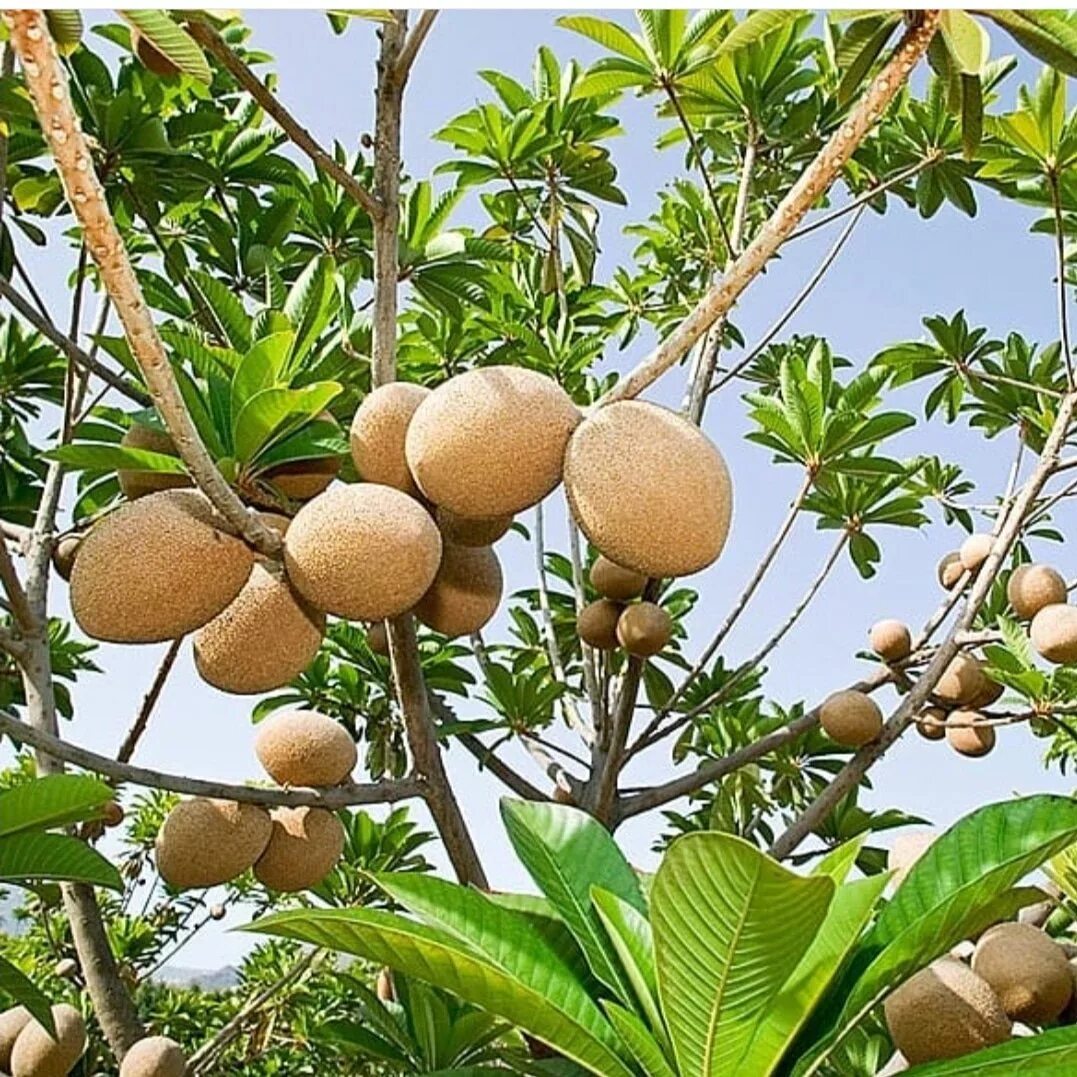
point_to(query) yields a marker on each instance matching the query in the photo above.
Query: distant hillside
(208, 980)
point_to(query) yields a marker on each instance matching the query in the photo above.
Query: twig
(413, 43)
(134, 734)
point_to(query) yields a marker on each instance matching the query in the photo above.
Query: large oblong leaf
(730, 924)
(55, 800)
(17, 986)
(173, 41)
(1047, 1054)
(438, 958)
(275, 413)
(31, 856)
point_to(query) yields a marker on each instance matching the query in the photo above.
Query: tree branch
(134, 734)
(413, 43)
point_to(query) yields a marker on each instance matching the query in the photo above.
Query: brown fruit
(644, 629)
(378, 432)
(384, 986)
(64, 553)
(990, 693)
(932, 723)
(1031, 587)
(136, 484)
(968, 735)
(596, 624)
(465, 592)
(471, 531)
(490, 442)
(157, 569)
(207, 842)
(1053, 633)
(37, 1054)
(962, 681)
(613, 581)
(112, 814)
(851, 719)
(303, 748)
(377, 638)
(944, 1011)
(890, 640)
(12, 1022)
(304, 847)
(365, 552)
(300, 480)
(649, 489)
(1026, 969)
(907, 849)
(975, 550)
(950, 570)
(263, 640)
(65, 968)
(216, 912)
(152, 58)
(154, 1056)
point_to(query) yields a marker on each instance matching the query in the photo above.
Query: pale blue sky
(894, 271)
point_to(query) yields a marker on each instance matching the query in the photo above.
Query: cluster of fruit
(617, 619)
(444, 472)
(28, 1050)
(205, 842)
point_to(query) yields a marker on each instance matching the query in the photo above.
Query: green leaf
(715, 902)
(644, 1047)
(309, 305)
(227, 309)
(437, 957)
(1048, 35)
(261, 367)
(608, 34)
(1051, 1054)
(17, 986)
(34, 856)
(567, 852)
(66, 29)
(972, 114)
(86, 457)
(56, 800)
(273, 414)
(966, 40)
(157, 27)
(754, 26)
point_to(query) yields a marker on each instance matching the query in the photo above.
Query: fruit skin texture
(37, 1054)
(154, 1056)
(304, 847)
(471, 531)
(851, 718)
(988, 694)
(891, 640)
(64, 553)
(613, 581)
(644, 629)
(302, 748)
(491, 441)
(1027, 970)
(206, 842)
(378, 432)
(465, 593)
(962, 680)
(944, 1011)
(931, 725)
(300, 480)
(365, 552)
(263, 640)
(157, 569)
(972, 740)
(12, 1022)
(596, 624)
(950, 570)
(1053, 633)
(377, 638)
(136, 484)
(975, 550)
(1031, 587)
(649, 489)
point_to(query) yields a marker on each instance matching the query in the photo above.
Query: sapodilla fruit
(1053, 633)
(944, 1011)
(377, 638)
(301, 748)
(649, 489)
(850, 718)
(990, 693)
(962, 680)
(907, 849)
(950, 570)
(364, 551)
(303, 848)
(12, 1022)
(931, 724)
(207, 842)
(1031, 587)
(300, 480)
(157, 569)
(136, 484)
(263, 640)
(968, 733)
(614, 582)
(64, 553)
(644, 629)
(1026, 969)
(378, 432)
(37, 1054)
(490, 442)
(154, 1056)
(471, 531)
(596, 624)
(465, 593)
(891, 640)
(975, 550)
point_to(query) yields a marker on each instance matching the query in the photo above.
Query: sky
(894, 271)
